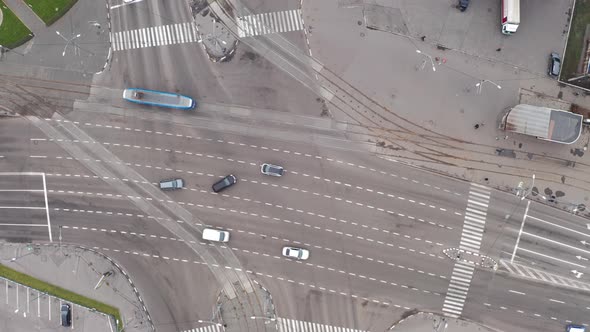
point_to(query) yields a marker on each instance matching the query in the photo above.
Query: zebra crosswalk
(475, 218)
(208, 328)
(265, 23)
(292, 325)
(473, 227)
(458, 288)
(287, 325)
(178, 33)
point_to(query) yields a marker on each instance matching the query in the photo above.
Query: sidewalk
(79, 270)
(26, 14)
(428, 322)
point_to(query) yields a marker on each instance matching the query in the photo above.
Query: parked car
(66, 315)
(463, 4)
(575, 328)
(171, 184)
(224, 183)
(272, 170)
(215, 235)
(296, 253)
(554, 64)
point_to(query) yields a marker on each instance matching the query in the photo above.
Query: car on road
(554, 64)
(463, 4)
(575, 328)
(224, 183)
(296, 253)
(272, 170)
(171, 184)
(66, 315)
(215, 235)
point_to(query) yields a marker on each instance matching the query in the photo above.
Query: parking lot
(26, 309)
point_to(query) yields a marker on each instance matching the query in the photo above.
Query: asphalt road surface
(385, 239)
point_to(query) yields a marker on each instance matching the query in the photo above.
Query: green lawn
(575, 42)
(56, 291)
(50, 10)
(13, 32)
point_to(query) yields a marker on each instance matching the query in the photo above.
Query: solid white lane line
(520, 232)
(516, 292)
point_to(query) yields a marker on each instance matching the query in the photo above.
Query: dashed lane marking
(135, 130)
(261, 216)
(412, 218)
(312, 214)
(317, 266)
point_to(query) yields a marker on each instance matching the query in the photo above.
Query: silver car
(171, 184)
(272, 170)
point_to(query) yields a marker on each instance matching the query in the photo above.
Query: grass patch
(575, 42)
(13, 32)
(50, 10)
(56, 291)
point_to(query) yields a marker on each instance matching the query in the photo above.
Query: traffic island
(215, 38)
(428, 322)
(13, 32)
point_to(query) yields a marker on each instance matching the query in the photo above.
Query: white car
(296, 253)
(216, 235)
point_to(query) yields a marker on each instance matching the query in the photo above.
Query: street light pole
(266, 319)
(210, 322)
(480, 85)
(429, 57)
(529, 191)
(68, 41)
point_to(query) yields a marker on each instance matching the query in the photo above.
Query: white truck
(510, 16)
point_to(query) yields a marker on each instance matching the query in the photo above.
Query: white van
(216, 235)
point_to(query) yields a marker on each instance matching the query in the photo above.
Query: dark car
(222, 184)
(66, 315)
(463, 4)
(554, 64)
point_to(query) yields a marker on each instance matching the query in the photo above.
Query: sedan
(224, 183)
(272, 170)
(554, 64)
(296, 253)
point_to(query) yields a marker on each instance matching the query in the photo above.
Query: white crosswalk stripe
(292, 325)
(473, 227)
(287, 325)
(458, 288)
(265, 23)
(208, 328)
(178, 33)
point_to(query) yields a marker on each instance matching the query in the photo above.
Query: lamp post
(68, 41)
(529, 191)
(429, 57)
(210, 322)
(266, 319)
(480, 85)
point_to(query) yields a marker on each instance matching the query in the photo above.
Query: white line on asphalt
(22, 207)
(550, 257)
(38, 156)
(25, 225)
(556, 242)
(47, 209)
(556, 301)
(516, 292)
(21, 190)
(520, 232)
(559, 226)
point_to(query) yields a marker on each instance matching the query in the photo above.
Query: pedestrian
(423, 38)
(476, 126)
